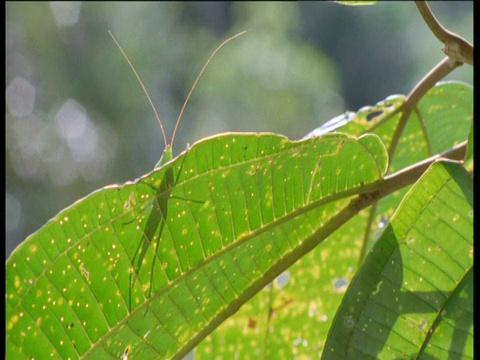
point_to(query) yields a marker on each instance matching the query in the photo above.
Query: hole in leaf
(349, 322)
(382, 222)
(340, 284)
(373, 115)
(283, 279)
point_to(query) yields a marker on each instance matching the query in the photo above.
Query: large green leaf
(441, 120)
(413, 298)
(446, 115)
(293, 318)
(151, 267)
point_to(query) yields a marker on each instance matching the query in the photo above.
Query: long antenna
(189, 94)
(198, 78)
(143, 87)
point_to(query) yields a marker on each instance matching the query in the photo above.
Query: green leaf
(447, 111)
(291, 316)
(446, 115)
(293, 319)
(380, 118)
(413, 297)
(443, 120)
(469, 156)
(356, 3)
(149, 268)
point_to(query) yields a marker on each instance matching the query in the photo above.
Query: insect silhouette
(155, 224)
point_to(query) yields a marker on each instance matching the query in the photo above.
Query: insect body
(156, 221)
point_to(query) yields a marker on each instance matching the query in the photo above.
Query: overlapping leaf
(147, 269)
(446, 114)
(293, 318)
(441, 120)
(414, 295)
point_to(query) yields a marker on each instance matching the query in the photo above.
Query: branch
(456, 47)
(373, 192)
(411, 174)
(442, 69)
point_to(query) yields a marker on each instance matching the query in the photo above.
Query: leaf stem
(442, 69)
(371, 194)
(269, 317)
(368, 229)
(456, 47)
(421, 120)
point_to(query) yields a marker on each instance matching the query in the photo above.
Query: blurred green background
(77, 120)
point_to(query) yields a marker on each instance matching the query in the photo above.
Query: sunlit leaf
(446, 115)
(356, 3)
(150, 267)
(302, 313)
(292, 316)
(413, 297)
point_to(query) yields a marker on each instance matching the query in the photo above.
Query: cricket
(156, 221)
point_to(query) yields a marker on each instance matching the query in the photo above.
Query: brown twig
(442, 69)
(456, 47)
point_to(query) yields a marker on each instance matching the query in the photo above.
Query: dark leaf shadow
(397, 303)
